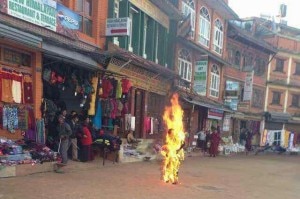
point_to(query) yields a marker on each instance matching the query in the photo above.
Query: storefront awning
(205, 104)
(7, 32)
(247, 116)
(70, 56)
(277, 117)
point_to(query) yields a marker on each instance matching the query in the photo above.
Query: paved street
(235, 177)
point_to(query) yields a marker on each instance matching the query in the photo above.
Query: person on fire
(173, 156)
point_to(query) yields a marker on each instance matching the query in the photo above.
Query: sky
(249, 8)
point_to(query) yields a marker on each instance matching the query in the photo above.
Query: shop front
(20, 63)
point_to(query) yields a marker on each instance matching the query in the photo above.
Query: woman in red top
(86, 141)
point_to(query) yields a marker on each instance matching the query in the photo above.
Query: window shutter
(136, 27)
(150, 39)
(124, 12)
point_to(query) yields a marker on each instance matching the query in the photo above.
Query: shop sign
(44, 13)
(118, 26)
(248, 86)
(226, 122)
(67, 21)
(39, 12)
(232, 89)
(232, 103)
(200, 77)
(215, 114)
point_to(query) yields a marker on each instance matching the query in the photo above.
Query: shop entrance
(138, 112)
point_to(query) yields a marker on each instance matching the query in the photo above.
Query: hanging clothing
(28, 93)
(106, 87)
(40, 126)
(114, 83)
(17, 88)
(286, 139)
(151, 125)
(10, 118)
(119, 90)
(97, 119)
(291, 139)
(114, 108)
(126, 85)
(92, 110)
(7, 95)
(127, 122)
(147, 123)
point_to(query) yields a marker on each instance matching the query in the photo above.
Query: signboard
(232, 86)
(232, 89)
(200, 77)
(232, 103)
(39, 12)
(44, 13)
(118, 26)
(226, 122)
(215, 114)
(66, 19)
(248, 86)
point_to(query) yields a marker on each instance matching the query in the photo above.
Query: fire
(172, 150)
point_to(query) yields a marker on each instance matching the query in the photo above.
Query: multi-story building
(144, 55)
(60, 46)
(283, 91)
(199, 60)
(245, 78)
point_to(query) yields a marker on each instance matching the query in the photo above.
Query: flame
(172, 152)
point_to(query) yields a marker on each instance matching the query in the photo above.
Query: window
(279, 65)
(218, 39)
(145, 36)
(188, 8)
(215, 81)
(84, 8)
(277, 137)
(185, 65)
(295, 100)
(248, 62)
(204, 27)
(131, 13)
(257, 98)
(259, 66)
(116, 15)
(276, 98)
(297, 69)
(237, 58)
(15, 57)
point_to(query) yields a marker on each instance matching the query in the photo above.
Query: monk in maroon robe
(214, 143)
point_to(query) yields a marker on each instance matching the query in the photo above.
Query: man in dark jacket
(73, 138)
(64, 132)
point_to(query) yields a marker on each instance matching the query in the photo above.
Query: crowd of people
(208, 142)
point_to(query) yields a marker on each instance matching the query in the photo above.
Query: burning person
(173, 156)
(173, 149)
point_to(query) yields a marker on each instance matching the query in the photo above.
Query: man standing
(73, 139)
(202, 138)
(64, 132)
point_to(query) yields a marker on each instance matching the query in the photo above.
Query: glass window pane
(79, 5)
(88, 27)
(88, 7)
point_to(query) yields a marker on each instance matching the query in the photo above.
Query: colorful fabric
(17, 91)
(92, 109)
(119, 90)
(7, 89)
(28, 93)
(10, 118)
(126, 85)
(107, 88)
(97, 120)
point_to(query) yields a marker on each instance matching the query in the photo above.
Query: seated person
(130, 138)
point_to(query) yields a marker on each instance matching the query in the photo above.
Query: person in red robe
(86, 141)
(214, 142)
